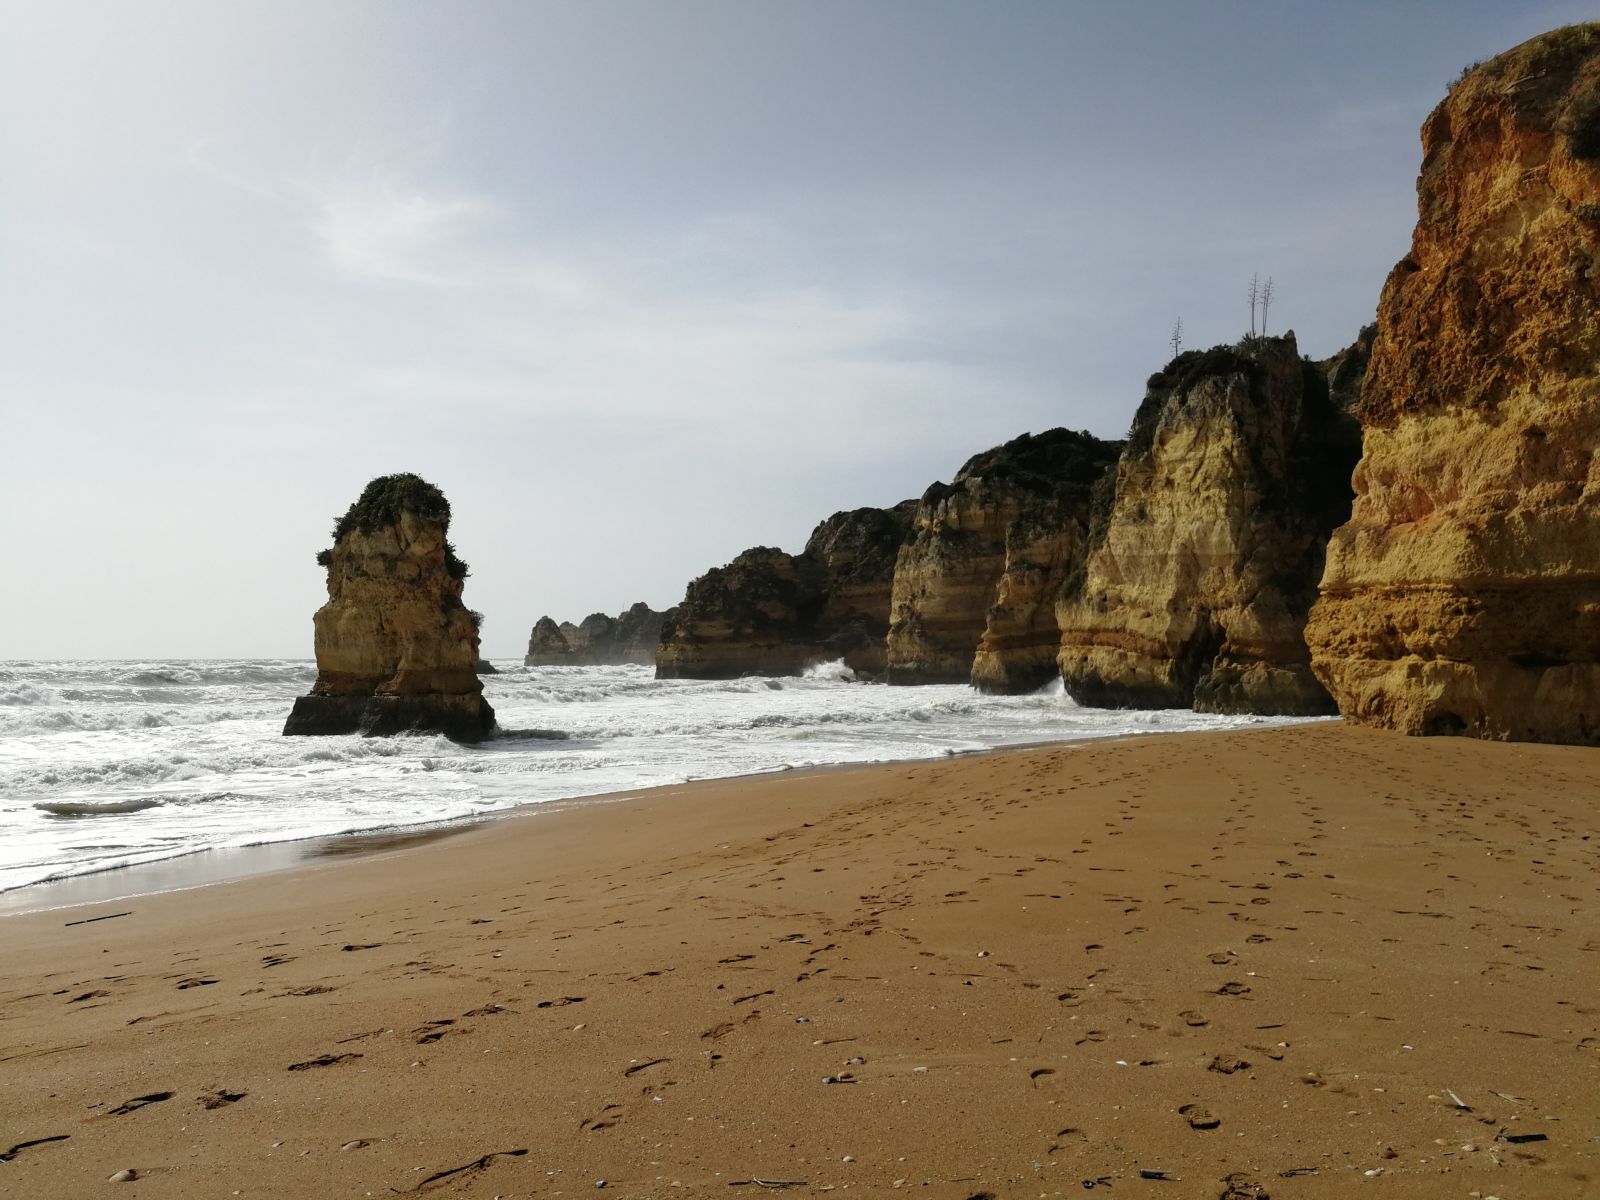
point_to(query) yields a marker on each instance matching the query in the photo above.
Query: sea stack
(1463, 596)
(396, 647)
(1204, 561)
(949, 573)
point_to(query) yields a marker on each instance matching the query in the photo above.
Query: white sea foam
(114, 763)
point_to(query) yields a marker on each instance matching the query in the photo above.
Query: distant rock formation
(629, 637)
(396, 648)
(771, 613)
(1204, 561)
(950, 573)
(1463, 596)
(1017, 649)
(550, 644)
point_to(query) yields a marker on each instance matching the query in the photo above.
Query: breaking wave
(169, 758)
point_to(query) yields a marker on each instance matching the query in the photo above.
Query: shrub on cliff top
(1549, 78)
(386, 497)
(1184, 372)
(383, 500)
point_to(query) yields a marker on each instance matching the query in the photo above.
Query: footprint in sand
(1193, 1019)
(432, 1031)
(221, 1098)
(325, 1060)
(29, 1145)
(604, 1119)
(139, 1102)
(1199, 1117)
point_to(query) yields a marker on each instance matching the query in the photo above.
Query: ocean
(107, 764)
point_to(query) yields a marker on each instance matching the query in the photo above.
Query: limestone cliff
(856, 552)
(1017, 649)
(1204, 562)
(396, 648)
(949, 574)
(771, 613)
(1463, 596)
(629, 637)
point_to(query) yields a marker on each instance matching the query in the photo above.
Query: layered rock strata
(629, 637)
(1204, 560)
(857, 551)
(950, 573)
(1463, 596)
(1017, 649)
(772, 613)
(396, 648)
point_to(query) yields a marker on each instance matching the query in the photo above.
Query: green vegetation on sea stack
(383, 500)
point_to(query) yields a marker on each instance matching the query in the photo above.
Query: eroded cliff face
(1204, 561)
(856, 552)
(746, 618)
(1017, 649)
(396, 648)
(771, 613)
(629, 637)
(1463, 596)
(949, 575)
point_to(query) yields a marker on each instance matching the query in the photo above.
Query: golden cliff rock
(1043, 540)
(396, 648)
(1463, 596)
(1204, 561)
(949, 574)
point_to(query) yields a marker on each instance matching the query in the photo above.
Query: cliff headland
(1449, 453)
(1463, 594)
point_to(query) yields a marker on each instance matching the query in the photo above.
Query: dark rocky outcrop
(396, 648)
(1463, 595)
(1204, 560)
(997, 537)
(629, 637)
(772, 613)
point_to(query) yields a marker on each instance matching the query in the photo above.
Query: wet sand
(1289, 962)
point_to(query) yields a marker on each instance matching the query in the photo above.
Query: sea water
(107, 764)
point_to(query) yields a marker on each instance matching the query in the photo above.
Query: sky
(637, 284)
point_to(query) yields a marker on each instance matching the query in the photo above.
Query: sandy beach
(1290, 962)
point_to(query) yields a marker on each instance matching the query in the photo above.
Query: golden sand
(1303, 962)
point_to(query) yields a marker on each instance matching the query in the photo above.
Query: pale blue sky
(637, 284)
